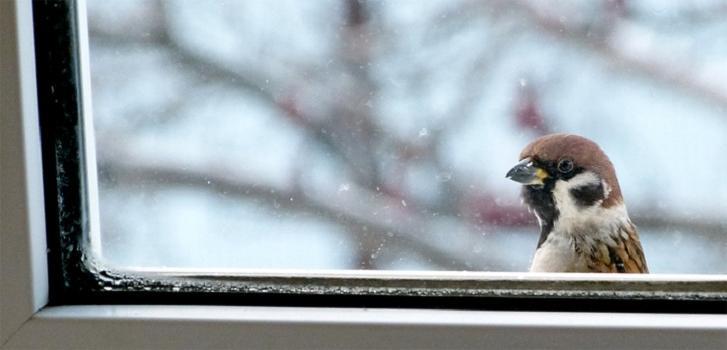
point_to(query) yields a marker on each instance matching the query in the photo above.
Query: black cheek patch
(588, 195)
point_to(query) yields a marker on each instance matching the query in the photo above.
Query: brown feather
(634, 250)
(601, 259)
(626, 255)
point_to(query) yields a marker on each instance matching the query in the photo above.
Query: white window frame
(26, 320)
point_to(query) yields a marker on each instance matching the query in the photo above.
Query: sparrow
(571, 186)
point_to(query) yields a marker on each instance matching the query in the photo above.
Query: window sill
(143, 326)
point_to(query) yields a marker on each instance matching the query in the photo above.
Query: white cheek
(567, 206)
(573, 217)
(576, 220)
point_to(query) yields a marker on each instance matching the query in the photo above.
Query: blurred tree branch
(383, 216)
(347, 127)
(644, 62)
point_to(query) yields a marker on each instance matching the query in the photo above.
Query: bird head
(567, 179)
(571, 185)
(571, 164)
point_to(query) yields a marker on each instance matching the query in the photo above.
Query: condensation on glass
(374, 135)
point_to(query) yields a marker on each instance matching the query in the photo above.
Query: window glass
(376, 135)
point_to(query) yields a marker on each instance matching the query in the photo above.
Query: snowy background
(338, 134)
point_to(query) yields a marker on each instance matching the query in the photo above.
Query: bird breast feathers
(607, 243)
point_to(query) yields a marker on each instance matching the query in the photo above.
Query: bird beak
(527, 174)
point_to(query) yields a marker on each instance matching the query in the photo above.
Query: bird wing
(623, 255)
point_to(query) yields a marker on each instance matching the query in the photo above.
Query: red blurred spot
(528, 113)
(289, 105)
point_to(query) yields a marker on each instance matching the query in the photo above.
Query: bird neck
(598, 221)
(565, 213)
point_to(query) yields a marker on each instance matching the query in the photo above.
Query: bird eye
(565, 166)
